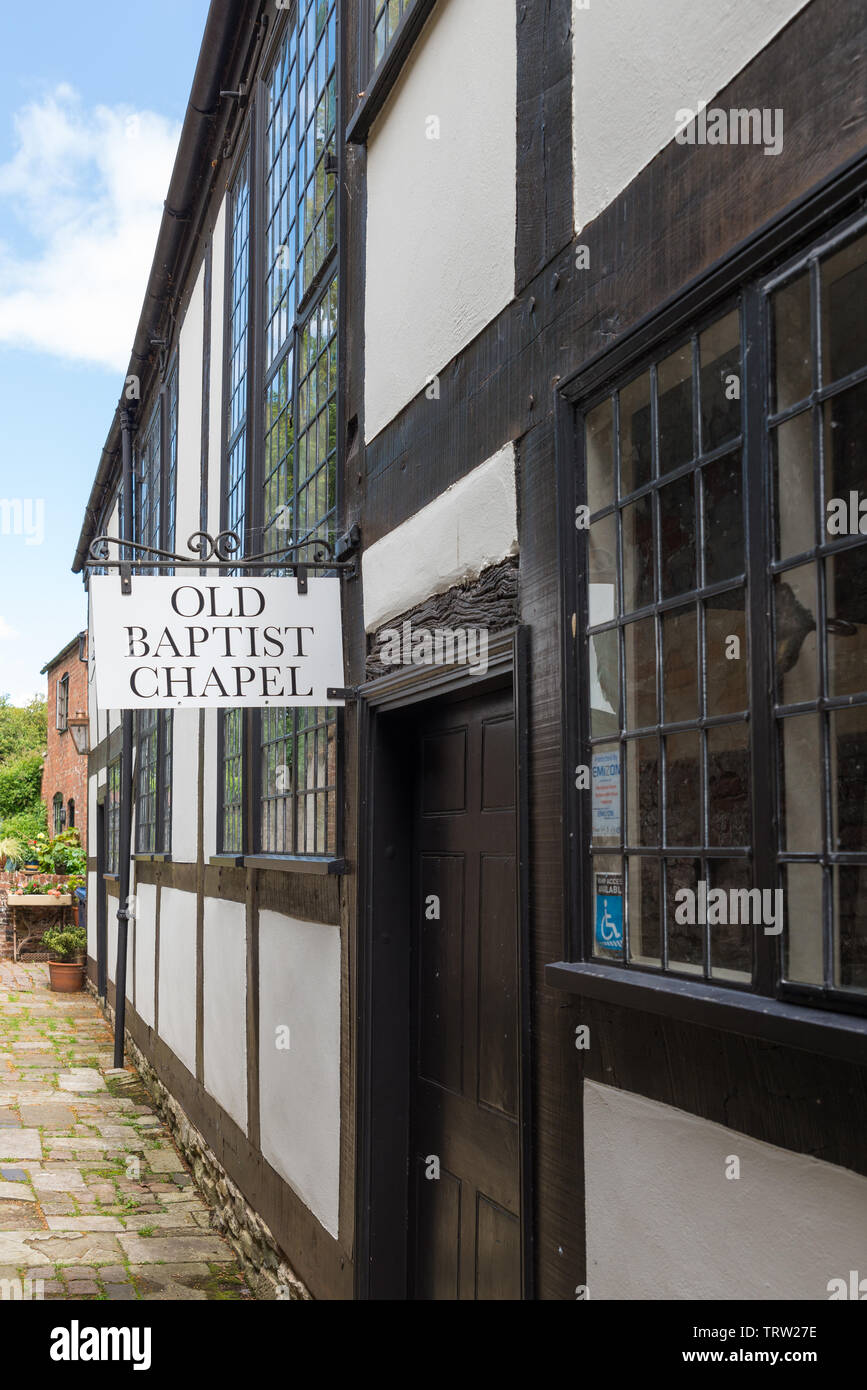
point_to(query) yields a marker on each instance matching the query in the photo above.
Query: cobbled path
(95, 1201)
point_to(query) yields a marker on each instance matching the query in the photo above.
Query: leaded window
(58, 818)
(62, 703)
(112, 818)
(154, 782)
(283, 484)
(387, 14)
(690, 624)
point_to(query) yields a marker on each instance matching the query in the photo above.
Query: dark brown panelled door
(464, 1138)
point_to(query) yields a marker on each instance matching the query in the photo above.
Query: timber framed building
(467, 276)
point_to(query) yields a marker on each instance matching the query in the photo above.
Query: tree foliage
(20, 784)
(22, 728)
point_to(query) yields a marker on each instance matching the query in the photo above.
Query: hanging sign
(211, 643)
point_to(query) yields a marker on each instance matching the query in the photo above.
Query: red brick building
(64, 777)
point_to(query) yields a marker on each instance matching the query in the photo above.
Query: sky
(92, 97)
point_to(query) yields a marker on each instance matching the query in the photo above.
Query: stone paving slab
(95, 1200)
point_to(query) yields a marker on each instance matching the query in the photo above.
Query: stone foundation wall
(264, 1264)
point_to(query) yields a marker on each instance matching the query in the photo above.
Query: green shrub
(65, 943)
(25, 825)
(20, 784)
(66, 855)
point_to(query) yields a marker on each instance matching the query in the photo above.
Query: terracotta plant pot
(65, 976)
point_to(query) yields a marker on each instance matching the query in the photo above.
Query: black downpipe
(127, 426)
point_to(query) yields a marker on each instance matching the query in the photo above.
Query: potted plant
(11, 852)
(68, 945)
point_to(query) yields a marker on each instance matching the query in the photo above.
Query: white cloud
(87, 186)
(6, 631)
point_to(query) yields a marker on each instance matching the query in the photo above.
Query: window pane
(645, 928)
(635, 435)
(795, 635)
(790, 328)
(642, 791)
(845, 428)
(729, 787)
(683, 789)
(640, 649)
(846, 592)
(727, 655)
(606, 796)
(731, 943)
(723, 519)
(720, 349)
(685, 939)
(849, 778)
(677, 536)
(801, 784)
(602, 557)
(604, 683)
(792, 470)
(599, 442)
(803, 939)
(637, 521)
(850, 925)
(674, 397)
(680, 665)
(844, 324)
(608, 906)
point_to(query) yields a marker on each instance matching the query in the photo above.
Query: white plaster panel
(190, 352)
(177, 974)
(215, 397)
(664, 1222)
(635, 65)
(111, 936)
(440, 212)
(211, 786)
(299, 986)
(91, 913)
(145, 950)
(472, 525)
(185, 785)
(225, 1022)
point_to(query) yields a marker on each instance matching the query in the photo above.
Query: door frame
(386, 707)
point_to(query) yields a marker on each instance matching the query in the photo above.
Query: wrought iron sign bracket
(222, 551)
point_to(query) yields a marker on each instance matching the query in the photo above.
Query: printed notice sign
(606, 793)
(188, 642)
(609, 911)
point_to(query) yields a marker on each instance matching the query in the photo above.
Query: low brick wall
(11, 883)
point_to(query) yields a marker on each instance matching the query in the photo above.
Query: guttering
(194, 166)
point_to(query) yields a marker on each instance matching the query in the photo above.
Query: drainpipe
(127, 425)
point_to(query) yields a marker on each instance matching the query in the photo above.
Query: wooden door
(464, 1136)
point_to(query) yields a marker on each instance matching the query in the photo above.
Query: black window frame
(154, 524)
(748, 277)
(240, 829)
(112, 818)
(61, 719)
(58, 814)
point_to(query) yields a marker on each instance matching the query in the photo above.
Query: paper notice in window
(609, 911)
(606, 794)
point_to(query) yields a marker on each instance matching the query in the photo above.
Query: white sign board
(190, 642)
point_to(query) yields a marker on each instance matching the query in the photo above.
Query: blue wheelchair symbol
(609, 922)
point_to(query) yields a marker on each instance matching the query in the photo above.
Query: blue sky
(92, 97)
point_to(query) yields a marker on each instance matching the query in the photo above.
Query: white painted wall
(190, 350)
(145, 950)
(185, 786)
(215, 398)
(664, 1222)
(440, 213)
(299, 984)
(225, 1022)
(91, 911)
(635, 65)
(177, 974)
(472, 525)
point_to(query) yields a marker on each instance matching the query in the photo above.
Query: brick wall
(36, 917)
(65, 770)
